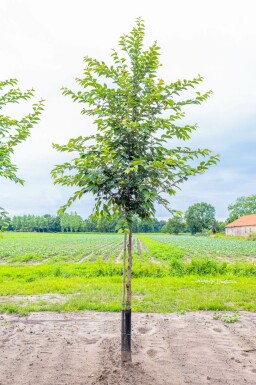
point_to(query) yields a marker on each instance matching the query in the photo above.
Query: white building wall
(240, 231)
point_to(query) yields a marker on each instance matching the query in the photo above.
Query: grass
(168, 294)
(174, 284)
(65, 277)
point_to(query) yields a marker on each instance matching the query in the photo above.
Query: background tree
(14, 131)
(105, 225)
(199, 217)
(53, 223)
(70, 222)
(74, 222)
(175, 225)
(127, 164)
(4, 220)
(218, 227)
(242, 206)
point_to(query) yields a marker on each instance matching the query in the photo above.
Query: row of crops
(77, 248)
(212, 247)
(36, 248)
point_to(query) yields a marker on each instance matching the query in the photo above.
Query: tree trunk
(127, 301)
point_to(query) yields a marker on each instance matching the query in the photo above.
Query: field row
(215, 247)
(38, 248)
(34, 248)
(84, 271)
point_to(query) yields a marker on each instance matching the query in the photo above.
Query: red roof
(247, 220)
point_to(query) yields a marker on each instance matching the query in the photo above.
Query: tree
(218, 227)
(242, 206)
(14, 131)
(200, 216)
(74, 222)
(105, 225)
(175, 225)
(70, 222)
(53, 223)
(127, 164)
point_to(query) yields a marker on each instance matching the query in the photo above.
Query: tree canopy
(175, 225)
(127, 164)
(199, 217)
(242, 206)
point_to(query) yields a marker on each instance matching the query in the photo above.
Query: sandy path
(83, 349)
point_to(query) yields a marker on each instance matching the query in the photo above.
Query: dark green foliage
(74, 223)
(199, 217)
(175, 225)
(44, 223)
(218, 227)
(146, 226)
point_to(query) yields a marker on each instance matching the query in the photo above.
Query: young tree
(127, 164)
(14, 131)
(200, 216)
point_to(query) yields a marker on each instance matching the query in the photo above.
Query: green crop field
(83, 271)
(40, 247)
(211, 247)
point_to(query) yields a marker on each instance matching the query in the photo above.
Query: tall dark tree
(129, 163)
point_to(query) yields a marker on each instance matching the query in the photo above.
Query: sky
(42, 44)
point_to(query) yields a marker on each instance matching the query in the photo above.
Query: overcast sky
(43, 42)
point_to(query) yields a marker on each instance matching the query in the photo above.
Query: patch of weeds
(229, 318)
(5, 323)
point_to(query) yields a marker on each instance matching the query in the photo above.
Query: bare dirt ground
(83, 349)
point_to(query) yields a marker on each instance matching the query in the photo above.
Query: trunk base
(126, 356)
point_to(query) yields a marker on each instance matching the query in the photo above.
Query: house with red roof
(242, 226)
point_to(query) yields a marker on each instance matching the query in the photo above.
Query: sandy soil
(83, 349)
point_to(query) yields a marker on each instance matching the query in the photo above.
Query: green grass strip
(169, 294)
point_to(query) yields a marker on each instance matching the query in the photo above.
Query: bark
(129, 273)
(124, 273)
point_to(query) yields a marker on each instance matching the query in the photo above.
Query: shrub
(251, 237)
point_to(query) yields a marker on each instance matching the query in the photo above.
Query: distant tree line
(75, 223)
(199, 218)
